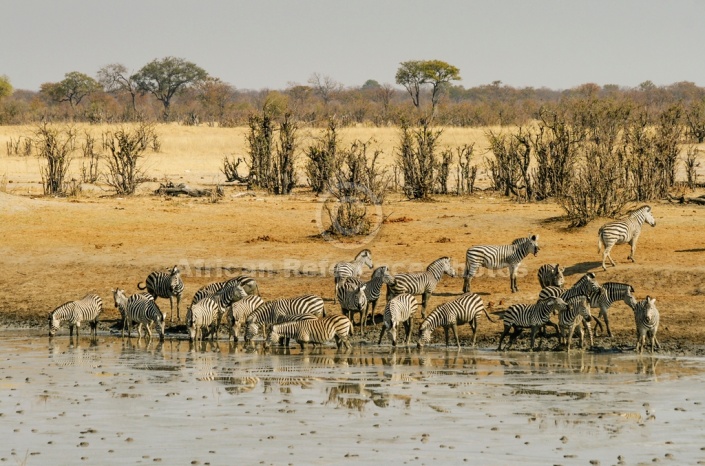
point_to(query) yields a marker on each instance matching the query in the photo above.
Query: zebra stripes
(239, 312)
(207, 313)
(420, 283)
(399, 310)
(248, 284)
(276, 311)
(462, 310)
(646, 317)
(86, 309)
(315, 331)
(550, 275)
(373, 290)
(499, 257)
(352, 269)
(166, 285)
(578, 312)
(623, 231)
(586, 286)
(610, 293)
(352, 298)
(139, 308)
(533, 316)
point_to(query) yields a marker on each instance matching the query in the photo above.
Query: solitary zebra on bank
(166, 285)
(623, 231)
(499, 257)
(464, 309)
(352, 269)
(423, 283)
(85, 309)
(646, 317)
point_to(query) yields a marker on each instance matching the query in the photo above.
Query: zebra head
(557, 304)
(380, 272)
(648, 216)
(648, 307)
(360, 298)
(251, 330)
(558, 277)
(534, 244)
(365, 256)
(441, 266)
(120, 300)
(273, 336)
(53, 324)
(425, 332)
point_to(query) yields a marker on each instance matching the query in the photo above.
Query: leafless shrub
(510, 170)
(467, 173)
(55, 147)
(321, 159)
(125, 149)
(22, 147)
(444, 171)
(89, 173)
(691, 165)
(417, 160)
(230, 170)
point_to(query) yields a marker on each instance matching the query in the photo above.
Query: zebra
(166, 285)
(239, 312)
(373, 290)
(550, 275)
(533, 316)
(248, 284)
(208, 312)
(315, 331)
(86, 309)
(399, 310)
(464, 309)
(578, 312)
(623, 231)
(141, 309)
(351, 269)
(352, 298)
(499, 257)
(610, 293)
(423, 283)
(646, 317)
(276, 311)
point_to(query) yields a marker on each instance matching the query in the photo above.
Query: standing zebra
(352, 298)
(277, 311)
(533, 316)
(399, 310)
(239, 312)
(373, 290)
(550, 275)
(248, 284)
(423, 283)
(315, 331)
(86, 309)
(499, 257)
(623, 231)
(646, 317)
(139, 308)
(351, 269)
(610, 293)
(578, 312)
(208, 312)
(464, 309)
(166, 285)
(586, 286)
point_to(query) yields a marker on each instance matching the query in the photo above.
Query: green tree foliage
(414, 74)
(5, 87)
(166, 77)
(72, 89)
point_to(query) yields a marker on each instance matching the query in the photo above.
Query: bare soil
(56, 250)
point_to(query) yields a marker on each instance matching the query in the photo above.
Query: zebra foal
(578, 312)
(623, 231)
(533, 316)
(278, 310)
(373, 290)
(352, 269)
(646, 317)
(74, 313)
(423, 283)
(499, 257)
(207, 313)
(463, 310)
(315, 331)
(166, 285)
(139, 308)
(399, 310)
(550, 275)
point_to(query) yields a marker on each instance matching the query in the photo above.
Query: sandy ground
(56, 250)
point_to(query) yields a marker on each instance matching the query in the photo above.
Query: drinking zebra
(533, 316)
(623, 231)
(85, 309)
(239, 312)
(141, 309)
(399, 310)
(351, 269)
(207, 313)
(277, 311)
(578, 313)
(499, 257)
(646, 317)
(352, 299)
(248, 284)
(373, 290)
(423, 283)
(166, 285)
(550, 275)
(462, 310)
(610, 293)
(315, 331)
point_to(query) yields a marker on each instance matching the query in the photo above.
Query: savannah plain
(54, 250)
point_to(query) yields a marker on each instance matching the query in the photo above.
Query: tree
(72, 89)
(166, 77)
(5, 87)
(416, 73)
(114, 78)
(215, 97)
(410, 75)
(324, 86)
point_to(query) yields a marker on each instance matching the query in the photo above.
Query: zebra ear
(651, 300)
(590, 274)
(534, 237)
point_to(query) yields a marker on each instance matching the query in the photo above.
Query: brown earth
(56, 250)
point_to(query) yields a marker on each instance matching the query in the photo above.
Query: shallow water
(115, 401)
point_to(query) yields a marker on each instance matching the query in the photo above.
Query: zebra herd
(304, 319)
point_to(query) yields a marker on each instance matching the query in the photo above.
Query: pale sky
(557, 44)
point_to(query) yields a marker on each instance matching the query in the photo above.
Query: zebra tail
(600, 244)
(488, 316)
(139, 285)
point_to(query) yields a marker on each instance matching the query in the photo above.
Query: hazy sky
(261, 44)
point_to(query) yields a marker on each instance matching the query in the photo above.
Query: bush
(125, 149)
(55, 147)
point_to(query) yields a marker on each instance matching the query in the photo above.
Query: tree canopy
(416, 73)
(72, 89)
(5, 87)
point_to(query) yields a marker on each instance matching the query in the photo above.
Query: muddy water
(126, 402)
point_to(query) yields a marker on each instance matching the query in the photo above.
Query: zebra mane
(364, 252)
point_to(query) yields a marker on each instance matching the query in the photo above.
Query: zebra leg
(512, 338)
(468, 275)
(632, 243)
(608, 255)
(454, 327)
(513, 278)
(473, 326)
(407, 327)
(178, 305)
(424, 302)
(445, 331)
(381, 334)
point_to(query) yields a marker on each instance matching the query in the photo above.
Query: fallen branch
(170, 189)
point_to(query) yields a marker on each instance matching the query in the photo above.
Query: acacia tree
(114, 78)
(414, 74)
(72, 89)
(410, 75)
(166, 77)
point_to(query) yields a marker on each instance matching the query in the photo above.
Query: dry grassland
(55, 250)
